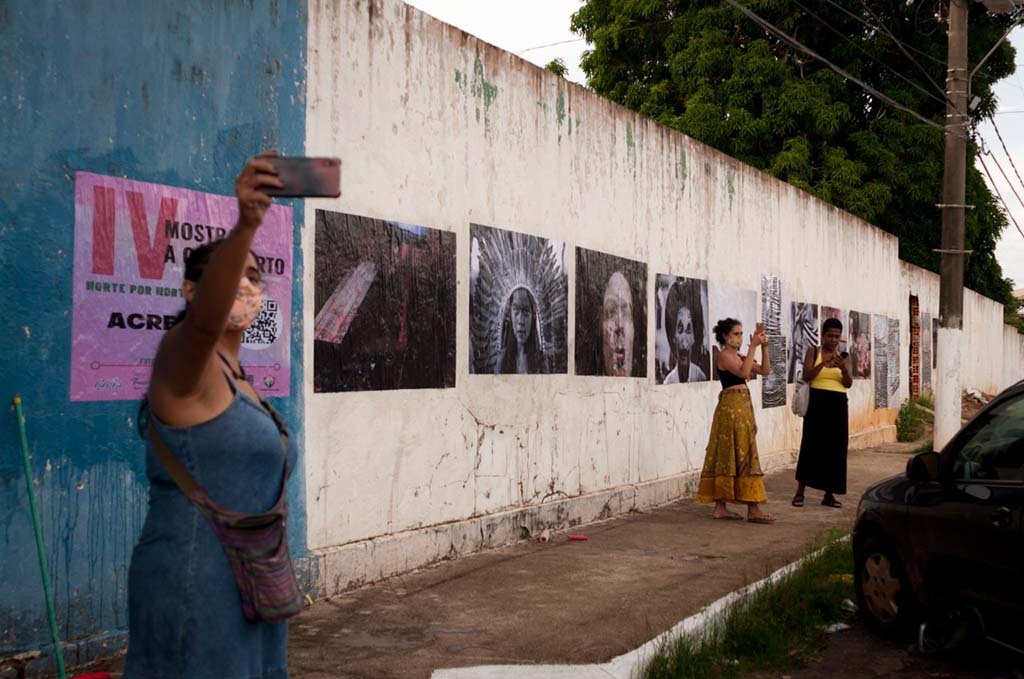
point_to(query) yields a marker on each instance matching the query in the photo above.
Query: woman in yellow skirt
(732, 470)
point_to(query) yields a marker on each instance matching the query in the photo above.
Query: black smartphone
(844, 355)
(306, 177)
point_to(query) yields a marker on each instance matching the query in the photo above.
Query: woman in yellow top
(822, 463)
(732, 471)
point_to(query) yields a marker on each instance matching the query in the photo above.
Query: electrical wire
(889, 34)
(875, 28)
(835, 30)
(793, 42)
(995, 188)
(1006, 150)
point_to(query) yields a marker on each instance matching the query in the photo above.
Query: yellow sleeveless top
(829, 379)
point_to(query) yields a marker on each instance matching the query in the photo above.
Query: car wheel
(884, 595)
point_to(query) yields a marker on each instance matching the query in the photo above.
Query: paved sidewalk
(567, 602)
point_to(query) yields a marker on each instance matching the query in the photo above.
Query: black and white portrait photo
(611, 315)
(518, 303)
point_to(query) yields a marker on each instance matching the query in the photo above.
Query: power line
(875, 28)
(1006, 150)
(887, 32)
(995, 188)
(624, 30)
(835, 30)
(803, 48)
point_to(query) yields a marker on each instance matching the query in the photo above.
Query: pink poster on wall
(131, 241)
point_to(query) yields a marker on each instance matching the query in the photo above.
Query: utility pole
(951, 270)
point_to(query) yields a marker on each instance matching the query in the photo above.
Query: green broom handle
(57, 653)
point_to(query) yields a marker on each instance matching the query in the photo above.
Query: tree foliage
(702, 68)
(557, 66)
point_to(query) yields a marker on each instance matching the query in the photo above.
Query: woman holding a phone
(823, 447)
(732, 470)
(185, 615)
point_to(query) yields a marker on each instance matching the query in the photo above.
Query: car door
(968, 529)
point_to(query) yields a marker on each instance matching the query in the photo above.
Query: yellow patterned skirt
(732, 470)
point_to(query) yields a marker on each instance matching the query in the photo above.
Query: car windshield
(993, 445)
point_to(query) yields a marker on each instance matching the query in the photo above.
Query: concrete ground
(565, 602)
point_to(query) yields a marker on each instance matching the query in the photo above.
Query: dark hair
(510, 346)
(831, 324)
(195, 265)
(723, 328)
(684, 296)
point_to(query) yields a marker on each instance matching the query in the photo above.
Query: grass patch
(775, 628)
(911, 421)
(927, 401)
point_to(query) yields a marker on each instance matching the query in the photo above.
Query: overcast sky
(523, 26)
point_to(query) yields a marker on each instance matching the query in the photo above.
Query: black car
(946, 539)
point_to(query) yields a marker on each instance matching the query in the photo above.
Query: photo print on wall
(773, 389)
(893, 372)
(804, 334)
(384, 302)
(681, 330)
(518, 303)
(860, 344)
(611, 315)
(880, 325)
(726, 301)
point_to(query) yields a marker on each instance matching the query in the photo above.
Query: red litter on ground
(577, 538)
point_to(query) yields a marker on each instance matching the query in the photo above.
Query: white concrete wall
(992, 349)
(440, 129)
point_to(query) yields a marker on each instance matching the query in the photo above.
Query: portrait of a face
(611, 315)
(518, 303)
(683, 353)
(520, 346)
(617, 329)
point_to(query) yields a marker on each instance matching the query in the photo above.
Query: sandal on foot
(830, 501)
(731, 516)
(761, 518)
(798, 500)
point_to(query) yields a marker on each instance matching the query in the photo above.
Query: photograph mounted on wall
(384, 304)
(894, 363)
(681, 330)
(773, 388)
(880, 324)
(611, 315)
(726, 301)
(771, 305)
(518, 303)
(860, 344)
(804, 334)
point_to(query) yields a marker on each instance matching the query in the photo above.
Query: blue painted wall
(177, 93)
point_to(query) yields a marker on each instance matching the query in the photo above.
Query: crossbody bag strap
(173, 465)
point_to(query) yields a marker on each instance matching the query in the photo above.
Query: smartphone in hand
(306, 177)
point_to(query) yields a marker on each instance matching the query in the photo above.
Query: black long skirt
(822, 462)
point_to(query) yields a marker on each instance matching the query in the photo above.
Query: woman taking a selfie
(185, 608)
(822, 463)
(732, 470)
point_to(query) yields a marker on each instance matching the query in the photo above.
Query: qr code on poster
(265, 330)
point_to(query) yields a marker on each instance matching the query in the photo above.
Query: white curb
(630, 664)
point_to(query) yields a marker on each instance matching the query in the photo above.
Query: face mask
(248, 302)
(735, 342)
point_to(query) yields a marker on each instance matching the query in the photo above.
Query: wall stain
(682, 169)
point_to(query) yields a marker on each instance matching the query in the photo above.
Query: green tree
(557, 66)
(703, 68)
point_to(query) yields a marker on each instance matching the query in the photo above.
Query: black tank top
(729, 379)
